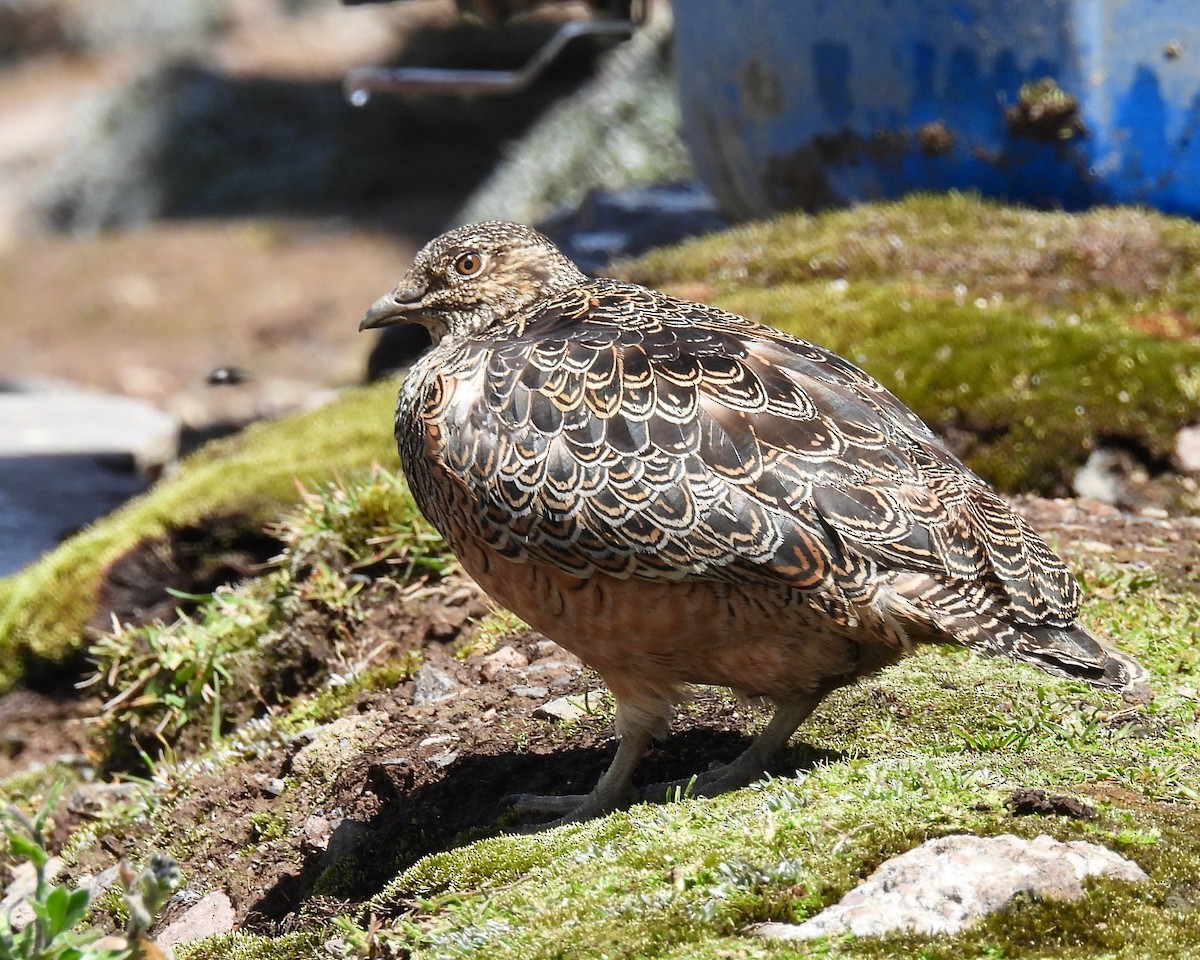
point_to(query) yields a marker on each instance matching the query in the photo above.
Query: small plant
(164, 678)
(54, 930)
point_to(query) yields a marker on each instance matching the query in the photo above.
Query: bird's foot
(572, 808)
(729, 776)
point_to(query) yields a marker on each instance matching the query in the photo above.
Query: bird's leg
(614, 790)
(751, 763)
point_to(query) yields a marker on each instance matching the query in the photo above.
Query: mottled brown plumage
(680, 495)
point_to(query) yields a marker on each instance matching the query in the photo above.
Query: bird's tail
(1073, 652)
(979, 620)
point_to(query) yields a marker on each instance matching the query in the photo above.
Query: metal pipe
(362, 82)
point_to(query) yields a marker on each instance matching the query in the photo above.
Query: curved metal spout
(362, 82)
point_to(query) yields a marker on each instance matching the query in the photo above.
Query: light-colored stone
(501, 659)
(444, 758)
(432, 685)
(316, 831)
(335, 744)
(1187, 449)
(546, 648)
(564, 709)
(211, 915)
(21, 886)
(1101, 478)
(946, 884)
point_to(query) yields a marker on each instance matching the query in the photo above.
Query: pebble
(432, 685)
(545, 648)
(946, 884)
(1187, 449)
(532, 692)
(213, 914)
(444, 759)
(502, 659)
(22, 884)
(565, 709)
(333, 745)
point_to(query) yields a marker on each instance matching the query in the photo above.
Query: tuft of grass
(235, 656)
(495, 627)
(370, 523)
(1026, 338)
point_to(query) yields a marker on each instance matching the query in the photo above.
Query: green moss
(1025, 337)
(247, 946)
(252, 475)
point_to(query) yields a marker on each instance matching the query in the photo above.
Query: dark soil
(1030, 802)
(160, 576)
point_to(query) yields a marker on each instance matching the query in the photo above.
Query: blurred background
(193, 213)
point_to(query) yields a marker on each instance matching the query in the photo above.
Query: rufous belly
(649, 637)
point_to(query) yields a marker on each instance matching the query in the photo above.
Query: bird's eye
(468, 264)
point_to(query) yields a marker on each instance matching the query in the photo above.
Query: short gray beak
(383, 311)
(395, 307)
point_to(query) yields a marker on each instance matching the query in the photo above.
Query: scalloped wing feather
(620, 430)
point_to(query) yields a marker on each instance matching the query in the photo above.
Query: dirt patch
(39, 727)
(1168, 546)
(152, 313)
(162, 576)
(1028, 802)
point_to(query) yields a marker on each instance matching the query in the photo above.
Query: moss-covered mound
(1026, 338)
(252, 476)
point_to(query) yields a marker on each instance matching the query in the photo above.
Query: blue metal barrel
(1063, 103)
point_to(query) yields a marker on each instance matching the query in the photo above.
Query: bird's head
(466, 280)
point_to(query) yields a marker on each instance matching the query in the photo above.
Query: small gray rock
(946, 884)
(432, 685)
(532, 692)
(444, 758)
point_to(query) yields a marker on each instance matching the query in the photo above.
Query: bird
(682, 496)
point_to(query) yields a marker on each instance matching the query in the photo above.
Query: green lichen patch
(1026, 338)
(251, 476)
